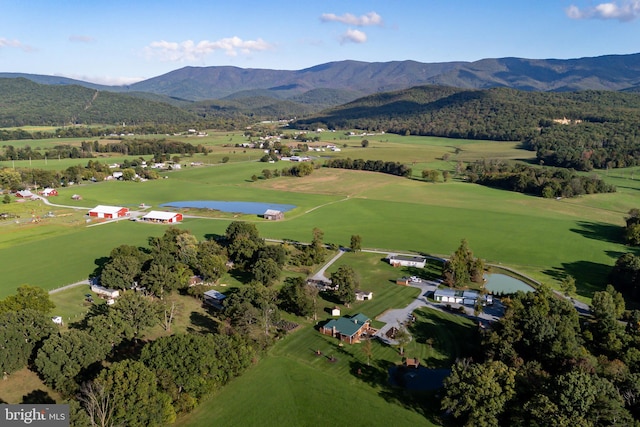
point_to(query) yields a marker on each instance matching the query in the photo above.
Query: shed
(404, 281)
(214, 298)
(335, 311)
(109, 212)
(273, 214)
(363, 295)
(163, 217)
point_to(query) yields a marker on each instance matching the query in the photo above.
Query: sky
(121, 42)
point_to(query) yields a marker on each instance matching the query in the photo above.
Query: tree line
(392, 168)
(87, 149)
(544, 182)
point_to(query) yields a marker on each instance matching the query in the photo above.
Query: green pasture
(302, 384)
(542, 238)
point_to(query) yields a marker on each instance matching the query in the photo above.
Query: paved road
(320, 274)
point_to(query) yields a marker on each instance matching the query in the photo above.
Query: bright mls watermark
(37, 415)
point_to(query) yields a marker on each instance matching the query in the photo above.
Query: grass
(71, 305)
(21, 383)
(301, 384)
(540, 237)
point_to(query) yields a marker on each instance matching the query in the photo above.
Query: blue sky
(119, 42)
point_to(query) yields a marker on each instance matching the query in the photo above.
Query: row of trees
(88, 149)
(392, 168)
(544, 182)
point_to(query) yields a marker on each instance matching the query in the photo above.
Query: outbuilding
(273, 214)
(214, 298)
(163, 217)
(109, 212)
(407, 261)
(49, 192)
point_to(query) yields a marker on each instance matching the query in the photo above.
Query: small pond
(255, 208)
(501, 283)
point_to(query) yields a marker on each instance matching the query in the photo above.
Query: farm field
(542, 238)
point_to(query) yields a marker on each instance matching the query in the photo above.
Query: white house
(105, 292)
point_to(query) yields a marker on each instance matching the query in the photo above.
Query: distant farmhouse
(49, 192)
(109, 212)
(348, 329)
(273, 215)
(162, 217)
(25, 194)
(407, 261)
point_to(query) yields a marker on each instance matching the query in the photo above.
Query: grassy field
(301, 384)
(540, 237)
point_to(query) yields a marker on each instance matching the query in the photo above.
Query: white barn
(407, 261)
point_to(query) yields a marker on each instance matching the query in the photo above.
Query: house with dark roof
(214, 298)
(348, 329)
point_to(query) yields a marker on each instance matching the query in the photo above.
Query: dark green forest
(580, 130)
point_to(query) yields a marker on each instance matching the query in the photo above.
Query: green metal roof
(348, 325)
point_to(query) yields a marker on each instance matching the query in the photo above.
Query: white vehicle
(415, 279)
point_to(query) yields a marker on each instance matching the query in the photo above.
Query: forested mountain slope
(24, 102)
(582, 130)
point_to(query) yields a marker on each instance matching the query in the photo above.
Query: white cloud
(623, 11)
(15, 44)
(188, 50)
(353, 36)
(104, 80)
(366, 20)
(81, 39)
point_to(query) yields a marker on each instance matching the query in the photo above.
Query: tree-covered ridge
(24, 102)
(583, 130)
(545, 182)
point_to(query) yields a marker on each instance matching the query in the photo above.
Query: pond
(255, 208)
(501, 283)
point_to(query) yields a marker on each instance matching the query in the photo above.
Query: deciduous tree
(346, 282)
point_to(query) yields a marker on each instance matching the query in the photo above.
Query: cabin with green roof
(347, 328)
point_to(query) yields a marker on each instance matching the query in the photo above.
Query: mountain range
(191, 94)
(355, 78)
